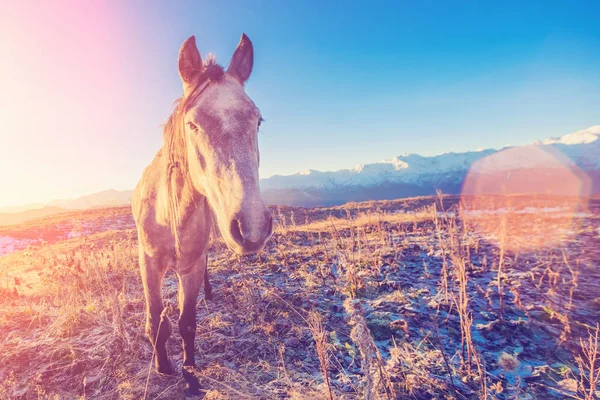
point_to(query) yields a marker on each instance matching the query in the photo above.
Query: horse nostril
(236, 232)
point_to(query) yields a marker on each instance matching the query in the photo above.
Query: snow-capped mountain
(576, 154)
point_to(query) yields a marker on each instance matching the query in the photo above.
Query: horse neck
(173, 193)
(180, 194)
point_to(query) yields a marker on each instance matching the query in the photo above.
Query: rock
(292, 341)
(398, 323)
(568, 384)
(282, 323)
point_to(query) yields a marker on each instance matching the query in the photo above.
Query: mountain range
(106, 198)
(562, 165)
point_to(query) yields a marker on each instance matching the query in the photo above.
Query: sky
(86, 86)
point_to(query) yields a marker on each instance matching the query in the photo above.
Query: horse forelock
(174, 160)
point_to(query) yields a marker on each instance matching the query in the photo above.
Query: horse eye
(260, 120)
(192, 126)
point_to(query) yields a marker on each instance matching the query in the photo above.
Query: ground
(432, 297)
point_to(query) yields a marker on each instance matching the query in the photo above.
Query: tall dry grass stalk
(455, 247)
(315, 323)
(503, 240)
(588, 363)
(376, 378)
(441, 240)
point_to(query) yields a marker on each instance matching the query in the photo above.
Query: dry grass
(588, 363)
(361, 220)
(377, 300)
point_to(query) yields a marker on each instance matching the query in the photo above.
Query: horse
(203, 181)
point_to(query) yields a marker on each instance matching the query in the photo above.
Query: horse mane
(174, 163)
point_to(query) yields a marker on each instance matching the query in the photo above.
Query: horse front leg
(190, 282)
(158, 325)
(208, 294)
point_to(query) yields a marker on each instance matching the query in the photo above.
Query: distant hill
(16, 209)
(22, 216)
(105, 198)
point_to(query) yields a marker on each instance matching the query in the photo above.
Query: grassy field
(421, 298)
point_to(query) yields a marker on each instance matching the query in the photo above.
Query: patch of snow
(446, 214)
(584, 136)
(9, 244)
(548, 211)
(359, 168)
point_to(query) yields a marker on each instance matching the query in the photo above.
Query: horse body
(204, 179)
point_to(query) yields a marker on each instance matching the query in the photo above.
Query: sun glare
(539, 206)
(64, 80)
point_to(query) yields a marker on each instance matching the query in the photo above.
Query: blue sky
(344, 83)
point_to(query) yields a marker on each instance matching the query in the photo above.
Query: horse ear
(190, 64)
(242, 60)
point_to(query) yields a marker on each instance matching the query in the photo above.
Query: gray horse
(203, 179)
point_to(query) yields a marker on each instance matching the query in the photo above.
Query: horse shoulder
(154, 234)
(197, 227)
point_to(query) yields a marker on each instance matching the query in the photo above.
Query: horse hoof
(166, 370)
(193, 391)
(209, 295)
(192, 387)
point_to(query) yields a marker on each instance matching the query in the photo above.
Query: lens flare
(525, 197)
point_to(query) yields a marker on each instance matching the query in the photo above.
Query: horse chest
(194, 233)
